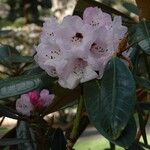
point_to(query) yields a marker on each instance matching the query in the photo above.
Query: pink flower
(116, 32)
(96, 18)
(60, 58)
(46, 98)
(49, 28)
(23, 105)
(101, 52)
(34, 99)
(27, 103)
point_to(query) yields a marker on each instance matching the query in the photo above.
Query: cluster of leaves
(111, 103)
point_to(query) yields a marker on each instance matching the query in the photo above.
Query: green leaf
(83, 4)
(145, 105)
(117, 96)
(142, 124)
(142, 82)
(93, 104)
(25, 132)
(134, 57)
(58, 141)
(12, 141)
(111, 103)
(135, 146)
(140, 33)
(4, 33)
(145, 146)
(131, 8)
(20, 59)
(145, 45)
(7, 51)
(22, 84)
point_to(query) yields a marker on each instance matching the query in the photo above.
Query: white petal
(71, 82)
(88, 74)
(23, 105)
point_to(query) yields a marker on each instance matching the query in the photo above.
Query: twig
(2, 121)
(139, 133)
(77, 119)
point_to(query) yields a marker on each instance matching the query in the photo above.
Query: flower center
(97, 49)
(54, 53)
(53, 72)
(79, 65)
(77, 38)
(94, 23)
(51, 34)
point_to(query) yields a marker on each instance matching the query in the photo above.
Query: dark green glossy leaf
(145, 146)
(4, 33)
(111, 103)
(142, 124)
(131, 7)
(12, 141)
(21, 59)
(144, 105)
(25, 132)
(93, 104)
(58, 141)
(140, 33)
(22, 84)
(134, 55)
(135, 146)
(144, 83)
(34, 70)
(5, 52)
(117, 96)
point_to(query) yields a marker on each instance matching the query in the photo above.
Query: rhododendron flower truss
(33, 100)
(77, 50)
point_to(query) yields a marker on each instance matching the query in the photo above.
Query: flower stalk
(77, 120)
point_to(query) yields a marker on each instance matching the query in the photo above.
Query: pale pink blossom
(46, 98)
(74, 37)
(101, 52)
(116, 32)
(96, 18)
(79, 48)
(48, 32)
(23, 105)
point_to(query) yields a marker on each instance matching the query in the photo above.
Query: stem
(5, 73)
(2, 120)
(139, 133)
(77, 119)
(147, 66)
